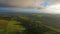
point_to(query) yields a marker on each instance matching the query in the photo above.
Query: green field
(25, 24)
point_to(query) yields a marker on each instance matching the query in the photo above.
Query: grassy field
(25, 24)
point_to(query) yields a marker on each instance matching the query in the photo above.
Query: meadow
(25, 24)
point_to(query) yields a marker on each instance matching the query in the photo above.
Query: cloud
(21, 3)
(26, 3)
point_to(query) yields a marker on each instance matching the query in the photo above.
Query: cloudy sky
(28, 3)
(47, 4)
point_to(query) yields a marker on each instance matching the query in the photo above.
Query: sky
(41, 4)
(28, 3)
(22, 3)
